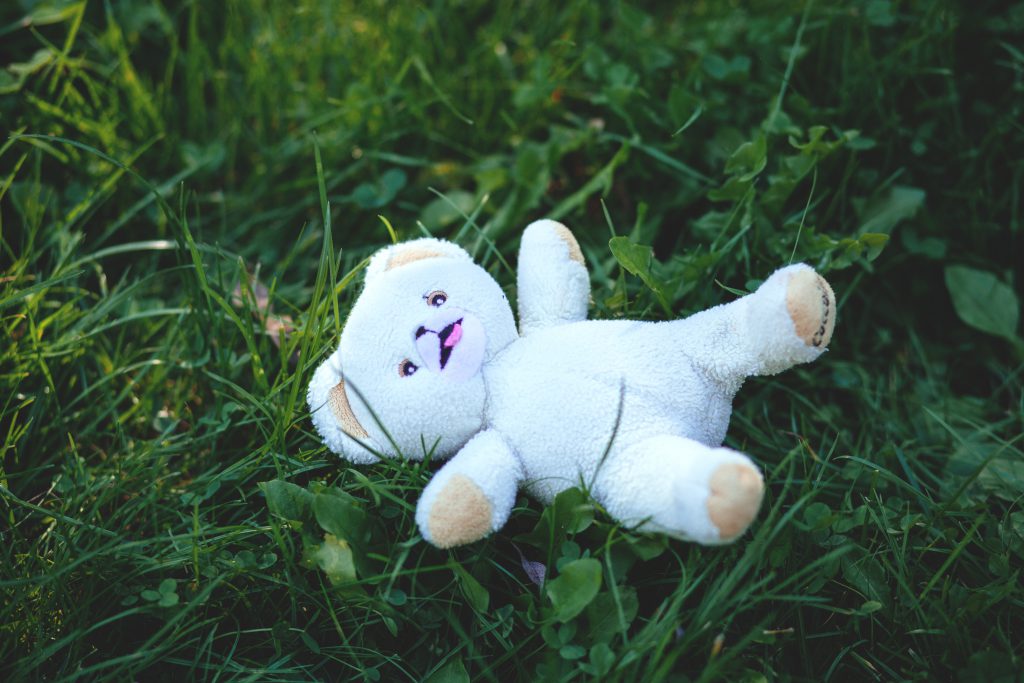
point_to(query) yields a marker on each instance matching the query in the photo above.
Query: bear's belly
(565, 397)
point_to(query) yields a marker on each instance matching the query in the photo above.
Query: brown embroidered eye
(406, 368)
(436, 298)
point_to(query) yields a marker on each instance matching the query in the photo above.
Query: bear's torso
(564, 396)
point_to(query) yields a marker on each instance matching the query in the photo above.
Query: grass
(187, 192)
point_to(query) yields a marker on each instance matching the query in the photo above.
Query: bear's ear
(404, 253)
(337, 402)
(334, 418)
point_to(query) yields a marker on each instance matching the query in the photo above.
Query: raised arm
(553, 282)
(472, 495)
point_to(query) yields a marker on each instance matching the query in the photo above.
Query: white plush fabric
(326, 377)
(490, 463)
(632, 411)
(552, 288)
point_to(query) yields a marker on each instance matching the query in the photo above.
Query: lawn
(188, 195)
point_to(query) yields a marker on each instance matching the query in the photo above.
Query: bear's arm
(472, 495)
(552, 281)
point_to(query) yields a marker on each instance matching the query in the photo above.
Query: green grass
(163, 163)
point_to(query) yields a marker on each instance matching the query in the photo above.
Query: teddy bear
(432, 363)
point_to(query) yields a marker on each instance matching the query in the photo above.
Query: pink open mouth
(449, 337)
(454, 335)
(451, 343)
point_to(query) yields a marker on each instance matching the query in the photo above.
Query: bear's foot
(681, 487)
(734, 499)
(472, 495)
(811, 305)
(461, 514)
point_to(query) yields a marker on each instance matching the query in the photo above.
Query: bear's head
(406, 378)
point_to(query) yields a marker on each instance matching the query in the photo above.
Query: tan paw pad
(736, 492)
(811, 305)
(565, 234)
(461, 513)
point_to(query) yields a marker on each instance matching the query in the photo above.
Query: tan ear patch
(575, 253)
(460, 514)
(404, 257)
(337, 401)
(811, 305)
(736, 492)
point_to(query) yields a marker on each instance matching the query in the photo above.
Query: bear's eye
(406, 368)
(436, 298)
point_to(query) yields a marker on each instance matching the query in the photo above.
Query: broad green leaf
(850, 520)
(476, 594)
(998, 469)
(858, 142)
(453, 671)
(601, 659)
(339, 514)
(879, 13)
(14, 75)
(334, 557)
(569, 513)
(797, 166)
(734, 189)
(168, 599)
(713, 223)
(637, 259)
(608, 617)
(490, 174)
(873, 243)
(815, 146)
(52, 12)
(551, 636)
(397, 597)
(792, 169)
(309, 642)
(749, 159)
(647, 547)
(866, 574)
(572, 652)
(287, 500)
(870, 606)
(574, 588)
(983, 301)
(448, 209)
(883, 214)
(751, 676)
(929, 246)
(990, 666)
(735, 69)
(373, 195)
(817, 515)
(780, 124)
(8, 83)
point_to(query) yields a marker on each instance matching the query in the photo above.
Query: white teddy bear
(430, 362)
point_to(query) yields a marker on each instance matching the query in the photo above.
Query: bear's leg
(680, 487)
(791, 317)
(472, 495)
(788, 320)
